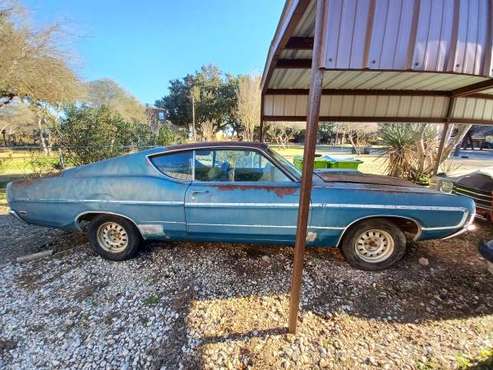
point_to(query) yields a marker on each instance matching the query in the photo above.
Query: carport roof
(383, 60)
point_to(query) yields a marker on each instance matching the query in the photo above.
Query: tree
(358, 134)
(214, 98)
(16, 119)
(249, 104)
(282, 132)
(32, 65)
(108, 93)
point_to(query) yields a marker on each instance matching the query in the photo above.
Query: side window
(177, 165)
(235, 165)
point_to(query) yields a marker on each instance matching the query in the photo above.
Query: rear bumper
(16, 215)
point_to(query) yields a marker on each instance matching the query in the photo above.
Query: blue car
(236, 192)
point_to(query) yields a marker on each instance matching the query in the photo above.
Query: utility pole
(194, 136)
(192, 98)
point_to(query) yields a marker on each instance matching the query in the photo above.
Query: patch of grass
(26, 162)
(483, 361)
(15, 165)
(462, 362)
(152, 300)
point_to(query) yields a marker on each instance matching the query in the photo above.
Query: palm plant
(410, 150)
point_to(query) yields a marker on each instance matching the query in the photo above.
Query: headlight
(446, 186)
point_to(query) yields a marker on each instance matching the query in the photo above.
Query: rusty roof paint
(361, 178)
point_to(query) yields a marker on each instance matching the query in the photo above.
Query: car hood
(477, 180)
(361, 178)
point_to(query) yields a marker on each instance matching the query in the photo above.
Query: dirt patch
(88, 291)
(7, 344)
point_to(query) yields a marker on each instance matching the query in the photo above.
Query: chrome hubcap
(374, 245)
(112, 237)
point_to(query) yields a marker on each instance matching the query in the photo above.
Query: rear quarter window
(175, 165)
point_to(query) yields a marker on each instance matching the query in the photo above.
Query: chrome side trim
(233, 205)
(391, 206)
(441, 228)
(76, 220)
(167, 222)
(109, 201)
(325, 205)
(273, 205)
(267, 226)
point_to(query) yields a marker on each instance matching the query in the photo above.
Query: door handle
(197, 192)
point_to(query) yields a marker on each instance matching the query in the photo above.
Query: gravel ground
(197, 305)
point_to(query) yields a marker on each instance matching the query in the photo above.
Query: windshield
(287, 164)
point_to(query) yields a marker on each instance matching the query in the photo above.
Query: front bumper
(468, 226)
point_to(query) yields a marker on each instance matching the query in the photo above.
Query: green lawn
(18, 164)
(371, 163)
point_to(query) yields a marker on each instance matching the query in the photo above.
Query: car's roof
(218, 144)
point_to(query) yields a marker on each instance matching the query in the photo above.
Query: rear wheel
(113, 237)
(374, 245)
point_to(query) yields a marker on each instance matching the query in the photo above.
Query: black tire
(130, 244)
(355, 256)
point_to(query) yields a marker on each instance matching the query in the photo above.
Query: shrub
(90, 134)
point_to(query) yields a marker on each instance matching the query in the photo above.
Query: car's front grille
(483, 199)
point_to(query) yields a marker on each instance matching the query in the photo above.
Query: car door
(166, 218)
(239, 194)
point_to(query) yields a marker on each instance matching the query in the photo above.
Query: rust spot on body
(279, 191)
(29, 180)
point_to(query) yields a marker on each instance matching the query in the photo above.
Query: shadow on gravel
(19, 239)
(455, 285)
(245, 336)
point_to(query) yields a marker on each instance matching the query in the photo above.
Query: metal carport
(404, 61)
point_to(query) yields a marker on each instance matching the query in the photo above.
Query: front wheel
(114, 238)
(374, 245)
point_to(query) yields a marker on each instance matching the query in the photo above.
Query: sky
(142, 45)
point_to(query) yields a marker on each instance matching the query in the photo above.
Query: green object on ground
(319, 162)
(329, 162)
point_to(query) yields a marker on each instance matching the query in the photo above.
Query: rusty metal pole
(307, 177)
(261, 138)
(445, 135)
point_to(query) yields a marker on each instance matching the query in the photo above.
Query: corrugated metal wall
(422, 35)
(426, 107)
